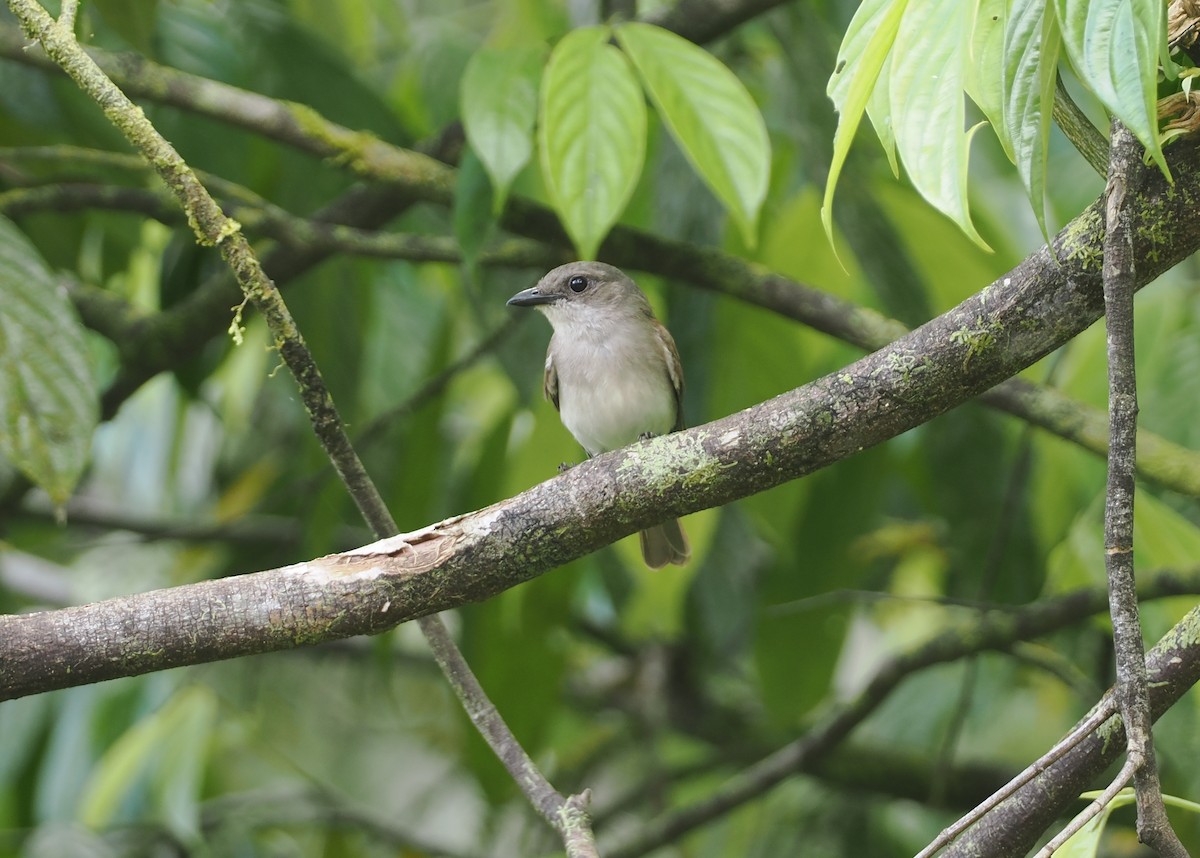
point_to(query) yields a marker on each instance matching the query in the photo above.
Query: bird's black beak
(531, 298)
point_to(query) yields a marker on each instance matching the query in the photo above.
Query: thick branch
(990, 336)
(1159, 460)
(161, 340)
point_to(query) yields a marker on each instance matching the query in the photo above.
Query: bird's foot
(646, 436)
(563, 467)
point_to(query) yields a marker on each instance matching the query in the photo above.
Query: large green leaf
(985, 64)
(1031, 43)
(592, 134)
(709, 113)
(499, 95)
(928, 110)
(48, 398)
(865, 47)
(1114, 46)
(879, 111)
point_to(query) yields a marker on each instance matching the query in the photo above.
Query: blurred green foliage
(650, 689)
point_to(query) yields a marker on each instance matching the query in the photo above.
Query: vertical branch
(213, 228)
(1153, 827)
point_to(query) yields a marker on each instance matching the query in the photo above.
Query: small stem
(1132, 692)
(1084, 136)
(1089, 813)
(1105, 710)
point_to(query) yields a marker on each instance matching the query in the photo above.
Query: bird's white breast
(612, 388)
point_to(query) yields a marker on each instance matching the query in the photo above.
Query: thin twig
(1103, 711)
(436, 384)
(568, 816)
(1154, 828)
(1089, 813)
(991, 631)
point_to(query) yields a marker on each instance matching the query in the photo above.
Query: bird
(612, 372)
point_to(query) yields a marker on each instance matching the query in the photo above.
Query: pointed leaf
(48, 398)
(1114, 46)
(985, 65)
(709, 113)
(879, 111)
(499, 94)
(592, 134)
(928, 109)
(866, 45)
(1031, 43)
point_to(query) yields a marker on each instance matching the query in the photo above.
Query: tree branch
(990, 336)
(1084, 136)
(1011, 829)
(991, 631)
(205, 313)
(1153, 827)
(1159, 460)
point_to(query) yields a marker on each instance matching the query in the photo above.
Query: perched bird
(612, 371)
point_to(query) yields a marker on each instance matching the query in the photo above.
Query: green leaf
(1031, 43)
(48, 398)
(879, 111)
(985, 65)
(709, 113)
(1114, 46)
(499, 95)
(592, 134)
(865, 47)
(928, 111)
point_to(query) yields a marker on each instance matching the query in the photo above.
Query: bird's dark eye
(577, 283)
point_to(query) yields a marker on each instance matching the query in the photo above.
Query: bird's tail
(665, 543)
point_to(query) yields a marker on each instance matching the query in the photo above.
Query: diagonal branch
(1011, 829)
(1007, 326)
(1159, 460)
(990, 631)
(205, 314)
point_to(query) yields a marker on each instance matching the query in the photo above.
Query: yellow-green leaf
(592, 134)
(709, 113)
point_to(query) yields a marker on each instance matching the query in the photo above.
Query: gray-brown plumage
(612, 371)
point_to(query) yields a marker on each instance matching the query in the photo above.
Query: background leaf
(709, 113)
(48, 399)
(592, 134)
(499, 95)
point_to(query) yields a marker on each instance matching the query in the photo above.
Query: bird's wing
(674, 371)
(550, 380)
